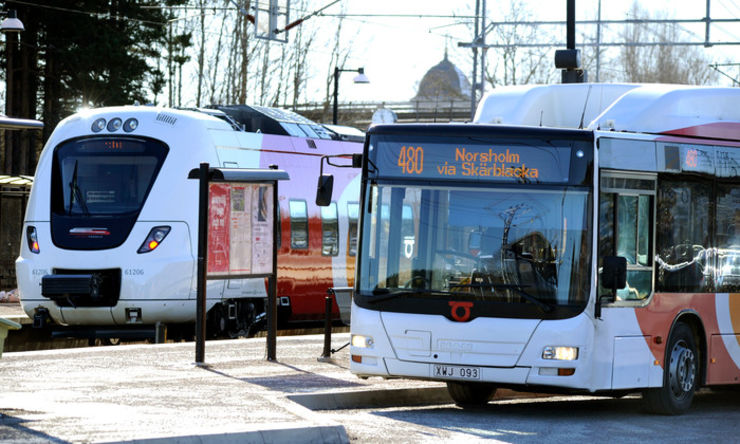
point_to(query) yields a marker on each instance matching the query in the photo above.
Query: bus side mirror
(614, 273)
(324, 190)
(356, 160)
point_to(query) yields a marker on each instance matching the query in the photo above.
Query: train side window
(329, 230)
(353, 211)
(298, 224)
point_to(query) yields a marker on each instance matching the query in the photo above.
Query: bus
(110, 233)
(576, 238)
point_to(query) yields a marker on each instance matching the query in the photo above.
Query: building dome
(444, 81)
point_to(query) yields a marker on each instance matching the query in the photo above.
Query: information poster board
(240, 229)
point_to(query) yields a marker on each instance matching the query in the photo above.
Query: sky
(397, 51)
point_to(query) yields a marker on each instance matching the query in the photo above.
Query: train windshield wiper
(76, 194)
(384, 294)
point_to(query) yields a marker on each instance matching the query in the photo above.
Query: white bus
(577, 238)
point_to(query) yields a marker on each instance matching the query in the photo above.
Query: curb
(373, 398)
(321, 434)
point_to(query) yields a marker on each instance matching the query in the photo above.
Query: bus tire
(470, 394)
(680, 375)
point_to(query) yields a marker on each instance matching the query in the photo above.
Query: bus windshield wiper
(384, 294)
(519, 289)
(76, 194)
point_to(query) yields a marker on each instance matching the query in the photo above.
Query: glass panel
(298, 224)
(682, 238)
(353, 210)
(728, 238)
(94, 177)
(606, 226)
(633, 240)
(329, 230)
(503, 245)
(643, 230)
(627, 227)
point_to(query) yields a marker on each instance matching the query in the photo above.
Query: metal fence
(14, 192)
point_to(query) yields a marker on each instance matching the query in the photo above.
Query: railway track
(30, 339)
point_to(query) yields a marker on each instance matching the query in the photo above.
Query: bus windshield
(508, 245)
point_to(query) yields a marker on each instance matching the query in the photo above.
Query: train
(109, 241)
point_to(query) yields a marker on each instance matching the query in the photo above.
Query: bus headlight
(362, 341)
(560, 353)
(155, 237)
(33, 239)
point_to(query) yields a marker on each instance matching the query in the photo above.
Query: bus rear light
(155, 237)
(32, 239)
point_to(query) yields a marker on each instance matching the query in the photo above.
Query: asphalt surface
(155, 392)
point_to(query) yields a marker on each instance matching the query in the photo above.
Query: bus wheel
(680, 375)
(470, 394)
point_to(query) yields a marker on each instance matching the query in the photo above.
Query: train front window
(104, 176)
(522, 246)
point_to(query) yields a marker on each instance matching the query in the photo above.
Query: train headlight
(114, 124)
(130, 125)
(362, 341)
(98, 125)
(560, 353)
(32, 239)
(155, 237)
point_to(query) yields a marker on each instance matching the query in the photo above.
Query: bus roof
(681, 110)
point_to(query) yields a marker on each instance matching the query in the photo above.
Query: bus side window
(728, 238)
(329, 230)
(298, 224)
(684, 255)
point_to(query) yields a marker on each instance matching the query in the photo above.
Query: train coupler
(41, 317)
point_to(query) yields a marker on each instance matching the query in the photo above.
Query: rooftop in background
(443, 82)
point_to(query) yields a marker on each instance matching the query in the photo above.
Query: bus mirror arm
(614, 277)
(326, 181)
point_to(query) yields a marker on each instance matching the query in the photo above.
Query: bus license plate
(455, 372)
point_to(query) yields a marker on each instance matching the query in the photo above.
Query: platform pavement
(14, 312)
(155, 393)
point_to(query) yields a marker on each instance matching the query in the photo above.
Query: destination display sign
(474, 161)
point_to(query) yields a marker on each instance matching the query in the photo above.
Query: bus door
(626, 221)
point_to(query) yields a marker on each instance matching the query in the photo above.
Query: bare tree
(661, 64)
(512, 64)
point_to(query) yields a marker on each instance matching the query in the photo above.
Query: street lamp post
(11, 27)
(359, 78)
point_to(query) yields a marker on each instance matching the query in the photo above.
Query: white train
(110, 234)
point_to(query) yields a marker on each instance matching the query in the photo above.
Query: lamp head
(361, 77)
(11, 23)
